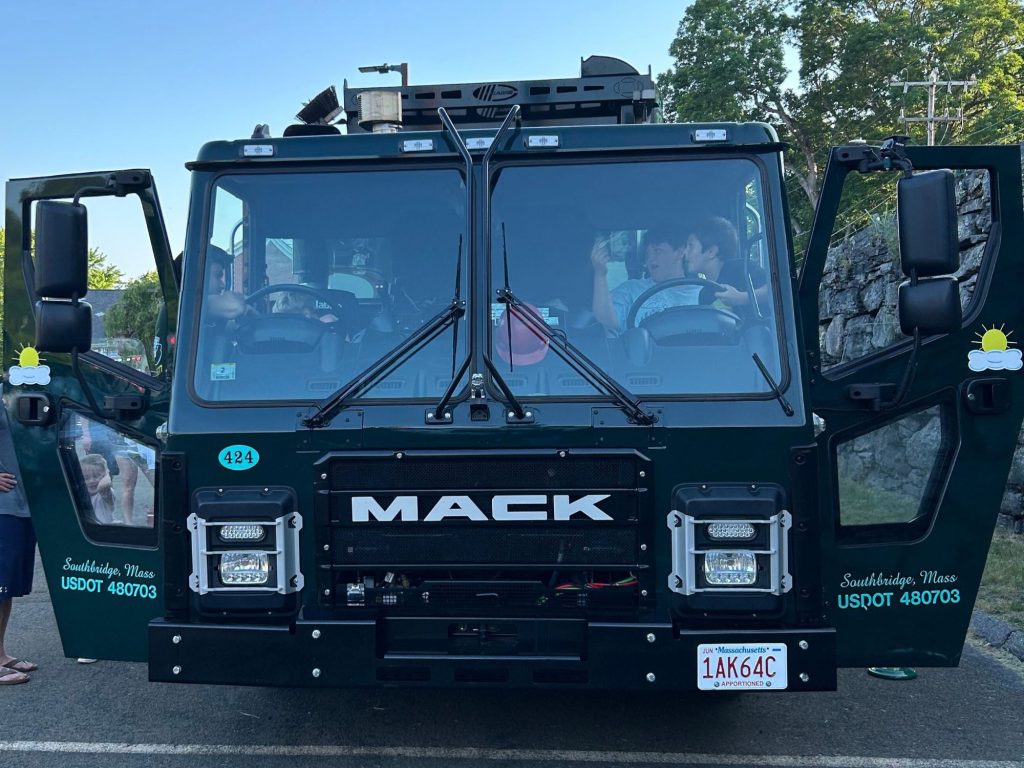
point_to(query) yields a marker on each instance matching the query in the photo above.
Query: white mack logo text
(503, 508)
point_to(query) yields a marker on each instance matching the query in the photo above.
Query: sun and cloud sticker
(995, 353)
(29, 369)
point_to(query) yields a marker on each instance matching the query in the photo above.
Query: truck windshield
(311, 277)
(661, 272)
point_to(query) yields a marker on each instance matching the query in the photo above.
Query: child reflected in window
(99, 486)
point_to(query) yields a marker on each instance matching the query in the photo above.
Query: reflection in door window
(891, 474)
(111, 475)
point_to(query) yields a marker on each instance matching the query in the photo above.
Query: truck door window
(112, 478)
(857, 299)
(893, 474)
(686, 262)
(321, 274)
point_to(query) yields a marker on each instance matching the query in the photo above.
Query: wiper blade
(429, 331)
(786, 407)
(578, 361)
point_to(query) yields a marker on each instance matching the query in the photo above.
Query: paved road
(107, 714)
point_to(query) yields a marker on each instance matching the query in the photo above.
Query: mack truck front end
(461, 398)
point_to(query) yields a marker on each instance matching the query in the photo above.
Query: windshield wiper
(786, 407)
(439, 413)
(429, 331)
(576, 360)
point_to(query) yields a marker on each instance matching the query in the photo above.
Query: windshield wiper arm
(578, 361)
(786, 407)
(425, 334)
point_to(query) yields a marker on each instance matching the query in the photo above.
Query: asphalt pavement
(108, 714)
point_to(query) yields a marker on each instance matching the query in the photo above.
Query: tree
(730, 65)
(101, 274)
(134, 314)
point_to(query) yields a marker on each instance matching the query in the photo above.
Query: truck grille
(410, 540)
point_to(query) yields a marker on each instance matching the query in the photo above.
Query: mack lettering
(502, 508)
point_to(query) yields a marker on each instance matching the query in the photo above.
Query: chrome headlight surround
(688, 557)
(279, 542)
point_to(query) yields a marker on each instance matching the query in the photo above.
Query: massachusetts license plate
(747, 666)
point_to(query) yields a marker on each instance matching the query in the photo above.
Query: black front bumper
(411, 651)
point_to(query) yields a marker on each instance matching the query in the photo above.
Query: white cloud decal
(994, 360)
(32, 374)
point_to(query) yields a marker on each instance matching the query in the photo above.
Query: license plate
(741, 666)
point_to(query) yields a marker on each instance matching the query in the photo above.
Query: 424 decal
(238, 457)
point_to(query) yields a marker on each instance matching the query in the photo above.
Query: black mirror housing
(931, 306)
(62, 326)
(62, 250)
(926, 207)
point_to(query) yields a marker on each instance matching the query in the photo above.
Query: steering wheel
(687, 323)
(284, 331)
(319, 293)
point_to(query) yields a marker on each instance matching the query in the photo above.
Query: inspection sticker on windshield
(731, 667)
(222, 372)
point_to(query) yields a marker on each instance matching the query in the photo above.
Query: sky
(112, 84)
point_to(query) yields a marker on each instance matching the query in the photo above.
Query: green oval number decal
(239, 457)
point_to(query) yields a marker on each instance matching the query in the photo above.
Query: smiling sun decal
(29, 370)
(995, 353)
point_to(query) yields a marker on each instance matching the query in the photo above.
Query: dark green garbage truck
(512, 384)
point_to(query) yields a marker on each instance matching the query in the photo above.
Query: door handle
(34, 410)
(987, 396)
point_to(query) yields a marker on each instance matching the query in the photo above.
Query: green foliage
(1002, 586)
(102, 274)
(134, 314)
(730, 65)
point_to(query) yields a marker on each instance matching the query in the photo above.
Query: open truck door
(85, 404)
(941, 407)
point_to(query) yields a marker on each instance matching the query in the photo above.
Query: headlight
(244, 568)
(235, 532)
(731, 531)
(730, 568)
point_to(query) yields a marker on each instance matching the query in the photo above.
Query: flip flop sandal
(21, 666)
(10, 676)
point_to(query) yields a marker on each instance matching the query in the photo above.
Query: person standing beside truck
(17, 555)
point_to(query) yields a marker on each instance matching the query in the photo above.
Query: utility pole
(932, 84)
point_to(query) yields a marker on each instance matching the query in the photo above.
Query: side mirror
(62, 250)
(63, 326)
(931, 306)
(926, 207)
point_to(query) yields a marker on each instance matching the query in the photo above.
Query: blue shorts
(17, 556)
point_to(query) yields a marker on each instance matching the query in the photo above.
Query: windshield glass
(660, 272)
(310, 278)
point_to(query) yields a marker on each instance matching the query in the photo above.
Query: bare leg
(129, 473)
(5, 615)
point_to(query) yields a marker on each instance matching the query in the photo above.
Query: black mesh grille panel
(467, 473)
(460, 545)
(532, 508)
